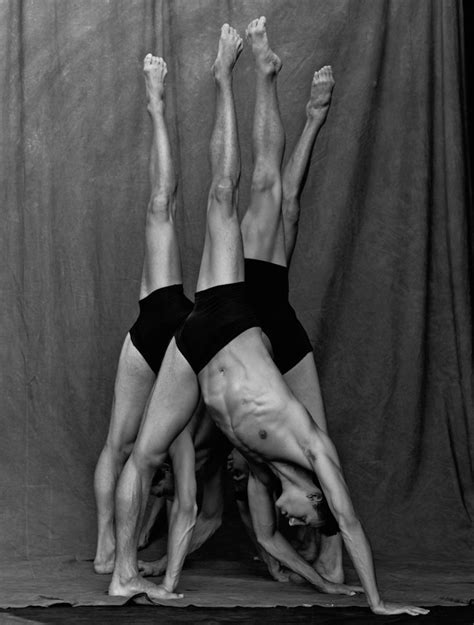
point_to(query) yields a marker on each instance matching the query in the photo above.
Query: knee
(147, 461)
(223, 196)
(223, 190)
(119, 451)
(161, 204)
(265, 179)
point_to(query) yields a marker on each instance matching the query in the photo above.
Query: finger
(418, 610)
(347, 591)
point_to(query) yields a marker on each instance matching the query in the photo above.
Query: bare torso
(249, 401)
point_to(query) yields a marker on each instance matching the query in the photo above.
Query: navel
(262, 434)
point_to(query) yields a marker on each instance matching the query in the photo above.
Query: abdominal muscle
(246, 396)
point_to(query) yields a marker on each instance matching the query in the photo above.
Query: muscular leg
(132, 386)
(162, 267)
(297, 166)
(171, 406)
(262, 228)
(222, 258)
(175, 395)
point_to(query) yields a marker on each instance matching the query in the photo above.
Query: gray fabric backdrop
(380, 275)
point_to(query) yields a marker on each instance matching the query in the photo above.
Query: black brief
(219, 315)
(161, 313)
(267, 290)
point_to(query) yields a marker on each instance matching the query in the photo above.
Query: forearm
(278, 547)
(180, 530)
(360, 552)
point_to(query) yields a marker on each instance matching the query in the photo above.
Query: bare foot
(105, 556)
(230, 47)
(321, 92)
(137, 585)
(104, 567)
(267, 61)
(155, 70)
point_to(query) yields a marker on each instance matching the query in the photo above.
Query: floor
(217, 583)
(139, 615)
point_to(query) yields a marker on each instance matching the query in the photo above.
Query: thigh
(222, 257)
(162, 263)
(303, 381)
(133, 384)
(171, 405)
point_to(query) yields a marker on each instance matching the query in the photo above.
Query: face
(301, 507)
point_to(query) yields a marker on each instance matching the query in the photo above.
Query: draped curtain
(380, 276)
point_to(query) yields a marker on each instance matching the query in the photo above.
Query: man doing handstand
(163, 307)
(268, 245)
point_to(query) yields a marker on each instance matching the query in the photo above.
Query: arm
(183, 510)
(262, 510)
(322, 456)
(273, 565)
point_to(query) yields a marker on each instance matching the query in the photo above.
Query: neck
(290, 474)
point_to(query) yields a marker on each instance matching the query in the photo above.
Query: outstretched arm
(322, 456)
(262, 510)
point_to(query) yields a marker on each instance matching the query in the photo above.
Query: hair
(314, 502)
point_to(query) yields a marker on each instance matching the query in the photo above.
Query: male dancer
(245, 394)
(266, 255)
(163, 307)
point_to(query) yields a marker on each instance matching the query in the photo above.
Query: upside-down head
(302, 506)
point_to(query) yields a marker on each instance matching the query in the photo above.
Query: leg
(304, 383)
(262, 228)
(162, 265)
(171, 406)
(133, 384)
(222, 257)
(297, 166)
